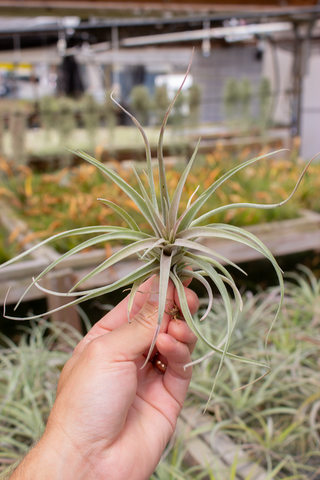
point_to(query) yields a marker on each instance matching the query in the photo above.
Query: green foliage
(110, 112)
(264, 95)
(161, 101)
(48, 106)
(66, 122)
(245, 100)
(29, 374)
(1, 132)
(140, 102)
(276, 420)
(237, 101)
(17, 128)
(190, 100)
(8, 249)
(90, 113)
(51, 203)
(177, 115)
(194, 101)
(231, 97)
(237, 98)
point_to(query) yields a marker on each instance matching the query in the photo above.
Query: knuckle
(95, 349)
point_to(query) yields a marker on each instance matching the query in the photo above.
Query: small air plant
(171, 251)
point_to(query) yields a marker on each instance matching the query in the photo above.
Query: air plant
(172, 251)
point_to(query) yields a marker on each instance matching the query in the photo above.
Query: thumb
(131, 340)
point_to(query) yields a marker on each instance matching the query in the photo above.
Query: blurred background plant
(17, 128)
(8, 247)
(239, 98)
(141, 103)
(265, 96)
(50, 203)
(29, 374)
(231, 97)
(66, 123)
(48, 107)
(194, 102)
(90, 115)
(160, 103)
(245, 102)
(2, 125)
(277, 418)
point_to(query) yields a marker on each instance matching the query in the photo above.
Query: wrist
(50, 460)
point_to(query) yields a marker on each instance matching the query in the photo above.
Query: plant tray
(219, 454)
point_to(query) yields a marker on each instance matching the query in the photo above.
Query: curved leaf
(165, 265)
(150, 267)
(58, 236)
(215, 211)
(173, 210)
(148, 153)
(162, 172)
(116, 257)
(195, 207)
(135, 196)
(88, 243)
(130, 221)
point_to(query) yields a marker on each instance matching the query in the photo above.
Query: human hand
(111, 419)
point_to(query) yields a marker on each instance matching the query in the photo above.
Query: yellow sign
(12, 66)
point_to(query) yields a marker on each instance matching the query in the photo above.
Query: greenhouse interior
(167, 143)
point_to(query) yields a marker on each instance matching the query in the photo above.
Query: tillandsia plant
(171, 251)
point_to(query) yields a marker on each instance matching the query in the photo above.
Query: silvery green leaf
(68, 233)
(219, 232)
(148, 154)
(205, 283)
(245, 233)
(166, 213)
(195, 207)
(149, 268)
(134, 289)
(191, 197)
(128, 235)
(173, 211)
(158, 243)
(227, 278)
(162, 172)
(157, 223)
(236, 292)
(193, 327)
(190, 245)
(240, 235)
(223, 291)
(266, 252)
(116, 257)
(130, 221)
(215, 211)
(135, 196)
(165, 266)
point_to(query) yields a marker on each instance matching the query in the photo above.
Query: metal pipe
(219, 32)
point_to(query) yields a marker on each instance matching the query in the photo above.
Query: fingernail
(154, 292)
